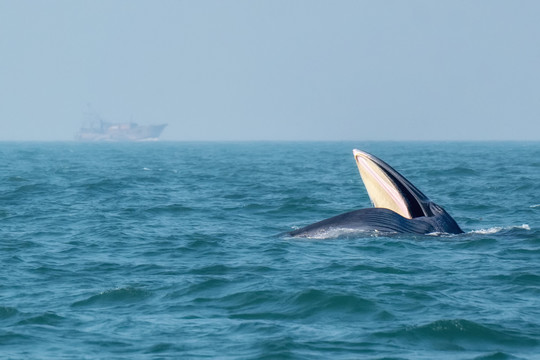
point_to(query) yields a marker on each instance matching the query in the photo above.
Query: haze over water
(273, 70)
(172, 250)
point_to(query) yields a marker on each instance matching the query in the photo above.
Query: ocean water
(173, 251)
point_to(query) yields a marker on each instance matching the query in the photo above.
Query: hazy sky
(273, 70)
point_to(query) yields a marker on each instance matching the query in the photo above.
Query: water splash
(497, 229)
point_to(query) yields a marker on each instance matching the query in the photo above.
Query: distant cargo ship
(107, 131)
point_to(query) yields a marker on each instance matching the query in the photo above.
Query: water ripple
(119, 296)
(169, 250)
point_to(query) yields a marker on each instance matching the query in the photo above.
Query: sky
(243, 70)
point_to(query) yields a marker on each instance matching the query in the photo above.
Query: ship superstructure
(99, 130)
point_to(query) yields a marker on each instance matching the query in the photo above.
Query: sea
(179, 250)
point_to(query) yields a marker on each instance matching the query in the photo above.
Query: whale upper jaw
(389, 189)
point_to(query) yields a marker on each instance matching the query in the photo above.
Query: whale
(398, 207)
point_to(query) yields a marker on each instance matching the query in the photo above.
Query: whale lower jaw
(376, 220)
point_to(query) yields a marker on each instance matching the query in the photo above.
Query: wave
(164, 348)
(172, 209)
(7, 312)
(310, 303)
(497, 229)
(336, 233)
(459, 334)
(117, 296)
(28, 190)
(14, 338)
(498, 355)
(48, 318)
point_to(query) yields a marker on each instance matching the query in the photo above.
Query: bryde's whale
(399, 207)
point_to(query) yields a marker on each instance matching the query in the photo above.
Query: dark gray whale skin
(383, 220)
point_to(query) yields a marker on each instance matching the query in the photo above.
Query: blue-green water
(170, 250)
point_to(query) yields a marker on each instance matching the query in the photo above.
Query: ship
(99, 130)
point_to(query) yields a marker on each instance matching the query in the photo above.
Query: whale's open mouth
(389, 189)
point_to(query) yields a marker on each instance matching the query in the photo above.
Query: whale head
(399, 207)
